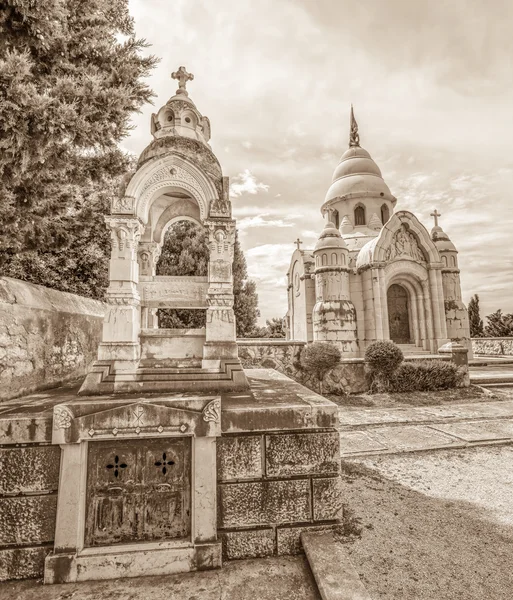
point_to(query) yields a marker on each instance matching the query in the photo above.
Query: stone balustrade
(499, 346)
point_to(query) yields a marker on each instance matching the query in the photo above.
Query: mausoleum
(375, 273)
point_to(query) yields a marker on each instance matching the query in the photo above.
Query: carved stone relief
(404, 244)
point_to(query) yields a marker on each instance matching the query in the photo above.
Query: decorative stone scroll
(404, 244)
(123, 205)
(125, 235)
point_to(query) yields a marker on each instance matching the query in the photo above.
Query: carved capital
(221, 206)
(125, 234)
(148, 254)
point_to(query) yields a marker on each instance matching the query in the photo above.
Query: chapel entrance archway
(398, 314)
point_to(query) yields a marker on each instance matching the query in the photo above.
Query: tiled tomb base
(275, 475)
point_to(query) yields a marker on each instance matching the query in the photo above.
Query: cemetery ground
(426, 486)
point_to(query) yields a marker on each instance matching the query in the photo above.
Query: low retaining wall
(47, 337)
(493, 346)
(348, 377)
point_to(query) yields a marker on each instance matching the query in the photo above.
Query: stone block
(27, 520)
(289, 538)
(23, 563)
(302, 454)
(327, 499)
(239, 457)
(264, 503)
(33, 469)
(248, 544)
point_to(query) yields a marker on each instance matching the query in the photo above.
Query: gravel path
(435, 526)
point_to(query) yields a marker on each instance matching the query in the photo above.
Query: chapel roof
(357, 174)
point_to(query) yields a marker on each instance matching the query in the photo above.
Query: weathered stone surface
(22, 563)
(336, 577)
(493, 346)
(46, 336)
(289, 538)
(33, 469)
(302, 454)
(327, 499)
(27, 520)
(264, 503)
(248, 544)
(239, 457)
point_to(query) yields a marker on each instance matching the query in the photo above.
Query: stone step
(413, 349)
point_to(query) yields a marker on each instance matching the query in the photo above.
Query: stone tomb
(137, 489)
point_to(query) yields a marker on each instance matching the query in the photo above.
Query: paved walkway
(491, 373)
(365, 431)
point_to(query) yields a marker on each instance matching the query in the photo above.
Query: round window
(187, 119)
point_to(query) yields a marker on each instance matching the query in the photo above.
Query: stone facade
(493, 346)
(47, 337)
(374, 273)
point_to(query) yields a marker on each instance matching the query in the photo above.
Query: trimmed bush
(424, 376)
(318, 358)
(382, 359)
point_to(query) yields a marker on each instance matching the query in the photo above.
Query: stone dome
(357, 175)
(442, 240)
(330, 238)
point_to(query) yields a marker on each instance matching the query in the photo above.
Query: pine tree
(185, 252)
(71, 76)
(474, 318)
(499, 325)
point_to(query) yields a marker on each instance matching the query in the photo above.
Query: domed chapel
(375, 273)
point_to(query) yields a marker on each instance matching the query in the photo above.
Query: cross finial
(435, 214)
(183, 77)
(298, 243)
(354, 137)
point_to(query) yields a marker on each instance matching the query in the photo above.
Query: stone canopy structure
(375, 273)
(178, 178)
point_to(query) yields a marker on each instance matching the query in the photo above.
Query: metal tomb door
(398, 314)
(138, 490)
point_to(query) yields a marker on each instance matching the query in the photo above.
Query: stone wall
(46, 337)
(493, 346)
(347, 377)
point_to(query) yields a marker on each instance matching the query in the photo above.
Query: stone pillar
(459, 356)
(220, 340)
(121, 326)
(148, 255)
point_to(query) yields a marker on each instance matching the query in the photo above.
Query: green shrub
(382, 359)
(318, 358)
(425, 375)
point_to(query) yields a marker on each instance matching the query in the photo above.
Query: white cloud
(261, 221)
(246, 183)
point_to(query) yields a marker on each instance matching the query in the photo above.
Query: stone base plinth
(278, 467)
(131, 561)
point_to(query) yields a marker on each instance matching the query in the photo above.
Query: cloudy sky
(432, 87)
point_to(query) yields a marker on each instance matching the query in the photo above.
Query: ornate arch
(169, 171)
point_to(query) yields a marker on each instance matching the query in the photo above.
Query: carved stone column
(148, 255)
(121, 326)
(220, 326)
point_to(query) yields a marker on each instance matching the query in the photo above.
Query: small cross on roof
(435, 214)
(183, 77)
(298, 243)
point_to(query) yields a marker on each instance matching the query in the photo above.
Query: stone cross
(298, 243)
(183, 77)
(435, 214)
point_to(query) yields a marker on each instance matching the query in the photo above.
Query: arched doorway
(398, 314)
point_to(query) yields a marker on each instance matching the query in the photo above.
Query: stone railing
(47, 337)
(499, 346)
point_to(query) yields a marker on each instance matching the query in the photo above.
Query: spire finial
(435, 214)
(298, 243)
(354, 137)
(183, 77)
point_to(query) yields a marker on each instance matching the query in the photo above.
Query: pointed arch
(359, 215)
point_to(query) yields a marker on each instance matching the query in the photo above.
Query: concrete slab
(334, 574)
(413, 437)
(356, 442)
(479, 431)
(287, 578)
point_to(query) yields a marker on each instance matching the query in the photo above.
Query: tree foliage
(273, 328)
(474, 318)
(499, 325)
(71, 76)
(185, 252)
